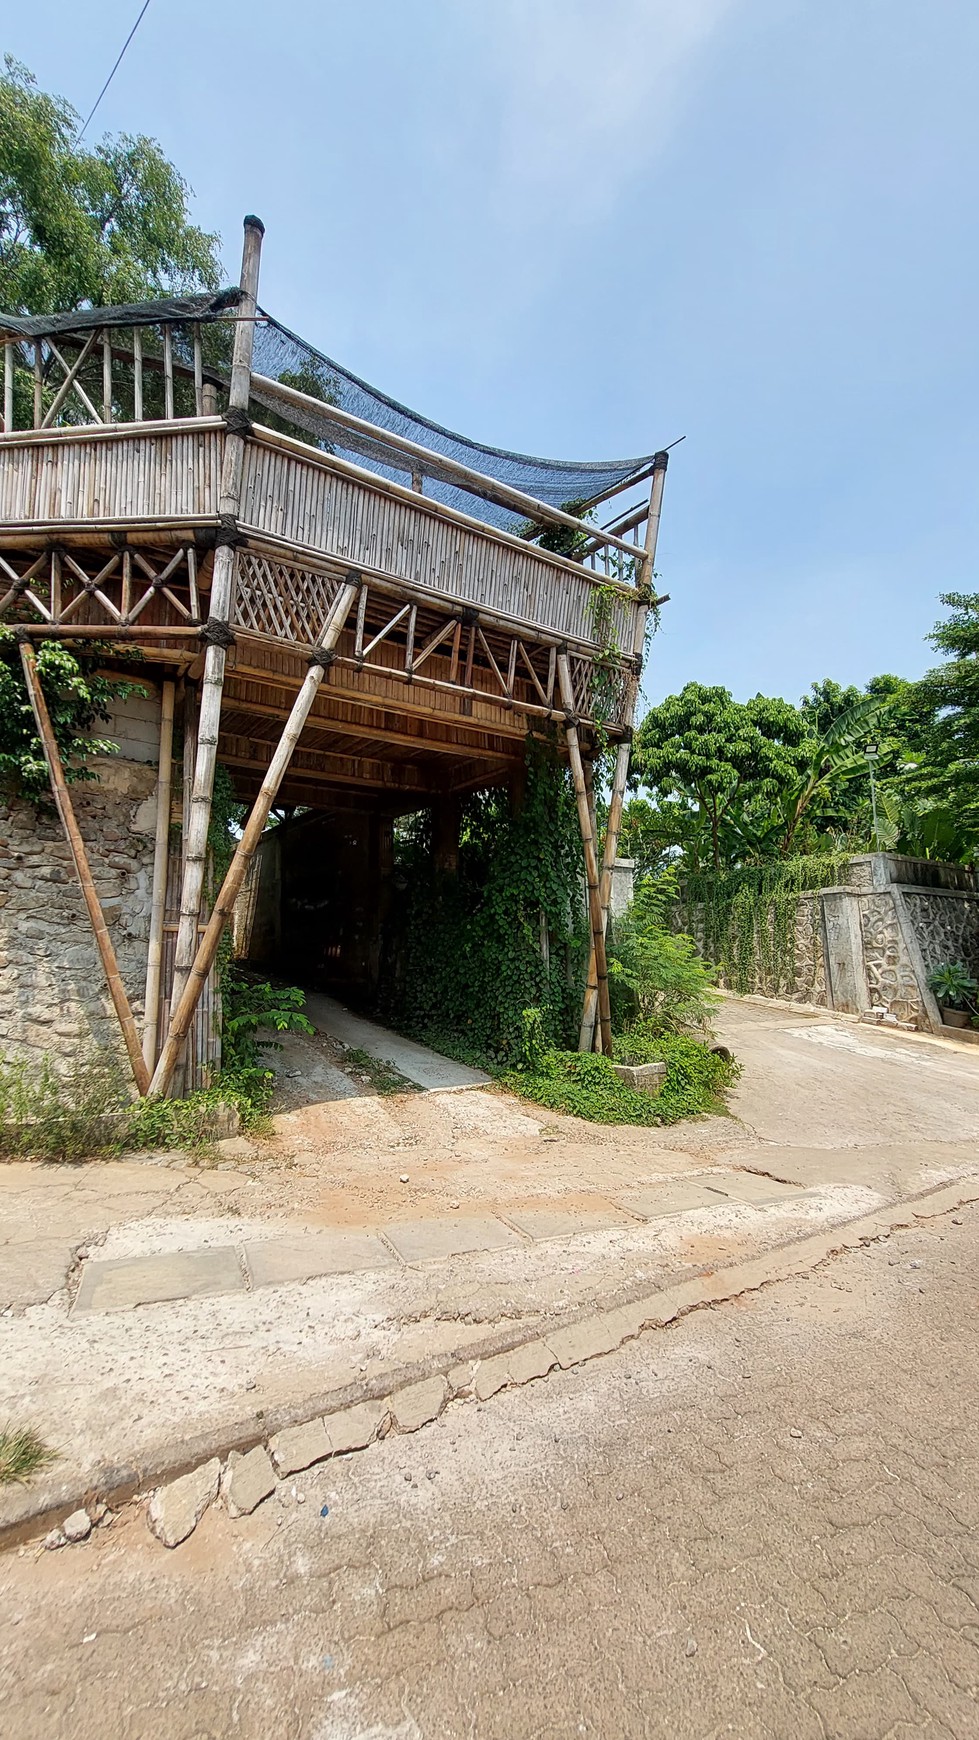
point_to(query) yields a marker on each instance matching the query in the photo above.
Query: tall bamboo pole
(586, 1036)
(62, 798)
(161, 853)
(195, 840)
(588, 842)
(184, 1007)
(8, 387)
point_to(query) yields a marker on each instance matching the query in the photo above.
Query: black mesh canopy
(280, 355)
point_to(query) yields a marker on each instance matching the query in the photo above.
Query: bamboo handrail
(62, 798)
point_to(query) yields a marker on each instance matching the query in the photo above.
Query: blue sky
(584, 227)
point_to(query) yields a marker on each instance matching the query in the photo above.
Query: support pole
(8, 387)
(586, 1037)
(161, 852)
(591, 856)
(59, 789)
(195, 839)
(184, 1007)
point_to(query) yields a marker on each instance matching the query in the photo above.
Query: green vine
(746, 920)
(79, 698)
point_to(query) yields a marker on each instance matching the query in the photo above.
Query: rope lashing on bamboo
(228, 532)
(214, 632)
(323, 657)
(237, 421)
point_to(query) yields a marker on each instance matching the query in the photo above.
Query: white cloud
(587, 91)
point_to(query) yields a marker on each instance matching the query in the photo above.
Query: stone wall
(52, 991)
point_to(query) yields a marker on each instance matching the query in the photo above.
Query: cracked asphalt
(761, 1523)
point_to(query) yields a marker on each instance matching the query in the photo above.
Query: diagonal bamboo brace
(230, 888)
(591, 857)
(62, 798)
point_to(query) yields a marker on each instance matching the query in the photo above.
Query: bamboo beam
(62, 798)
(223, 908)
(222, 587)
(161, 852)
(586, 1035)
(591, 857)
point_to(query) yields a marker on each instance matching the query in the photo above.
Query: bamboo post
(59, 789)
(586, 1036)
(137, 375)
(588, 842)
(195, 836)
(8, 387)
(39, 382)
(168, 372)
(107, 376)
(161, 851)
(183, 1010)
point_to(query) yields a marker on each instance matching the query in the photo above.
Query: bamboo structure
(146, 505)
(65, 808)
(195, 853)
(586, 1037)
(161, 853)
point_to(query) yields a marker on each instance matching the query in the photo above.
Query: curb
(409, 1396)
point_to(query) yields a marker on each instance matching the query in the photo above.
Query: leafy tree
(82, 226)
(78, 698)
(720, 757)
(932, 801)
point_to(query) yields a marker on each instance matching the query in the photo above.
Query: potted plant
(955, 990)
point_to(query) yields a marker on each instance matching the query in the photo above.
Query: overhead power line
(115, 69)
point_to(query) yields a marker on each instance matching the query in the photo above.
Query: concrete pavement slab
(30, 1271)
(753, 1187)
(300, 1256)
(423, 1241)
(418, 1063)
(564, 1223)
(127, 1281)
(677, 1197)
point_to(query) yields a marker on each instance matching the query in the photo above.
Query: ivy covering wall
(747, 921)
(469, 951)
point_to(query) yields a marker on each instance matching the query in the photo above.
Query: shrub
(585, 1085)
(656, 974)
(46, 1115)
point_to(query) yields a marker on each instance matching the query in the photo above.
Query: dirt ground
(760, 1524)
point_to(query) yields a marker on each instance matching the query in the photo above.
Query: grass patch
(584, 1085)
(382, 1076)
(22, 1453)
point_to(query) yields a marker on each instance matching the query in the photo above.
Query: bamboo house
(348, 607)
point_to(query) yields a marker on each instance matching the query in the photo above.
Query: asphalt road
(759, 1524)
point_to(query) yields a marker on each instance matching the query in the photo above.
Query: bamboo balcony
(146, 502)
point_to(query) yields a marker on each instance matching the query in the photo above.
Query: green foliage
(75, 1115)
(655, 973)
(584, 1085)
(748, 918)
(252, 1005)
(469, 952)
(534, 1050)
(191, 1122)
(77, 695)
(714, 753)
(22, 1453)
(953, 985)
(81, 225)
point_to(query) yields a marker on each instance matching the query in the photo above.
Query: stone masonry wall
(53, 997)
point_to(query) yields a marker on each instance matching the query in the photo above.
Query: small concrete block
(419, 1403)
(643, 1078)
(123, 1282)
(581, 1341)
(299, 1447)
(460, 1379)
(752, 1187)
(78, 1526)
(354, 1428)
(424, 1241)
(562, 1223)
(491, 1375)
(273, 1262)
(248, 1479)
(673, 1197)
(534, 1360)
(175, 1510)
(235, 1148)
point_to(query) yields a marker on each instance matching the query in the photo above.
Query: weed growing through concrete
(382, 1076)
(22, 1453)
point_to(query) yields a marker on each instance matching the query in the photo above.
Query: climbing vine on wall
(746, 920)
(471, 950)
(79, 697)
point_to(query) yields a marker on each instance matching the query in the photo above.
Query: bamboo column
(8, 387)
(222, 586)
(161, 852)
(586, 1037)
(62, 798)
(588, 842)
(184, 1007)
